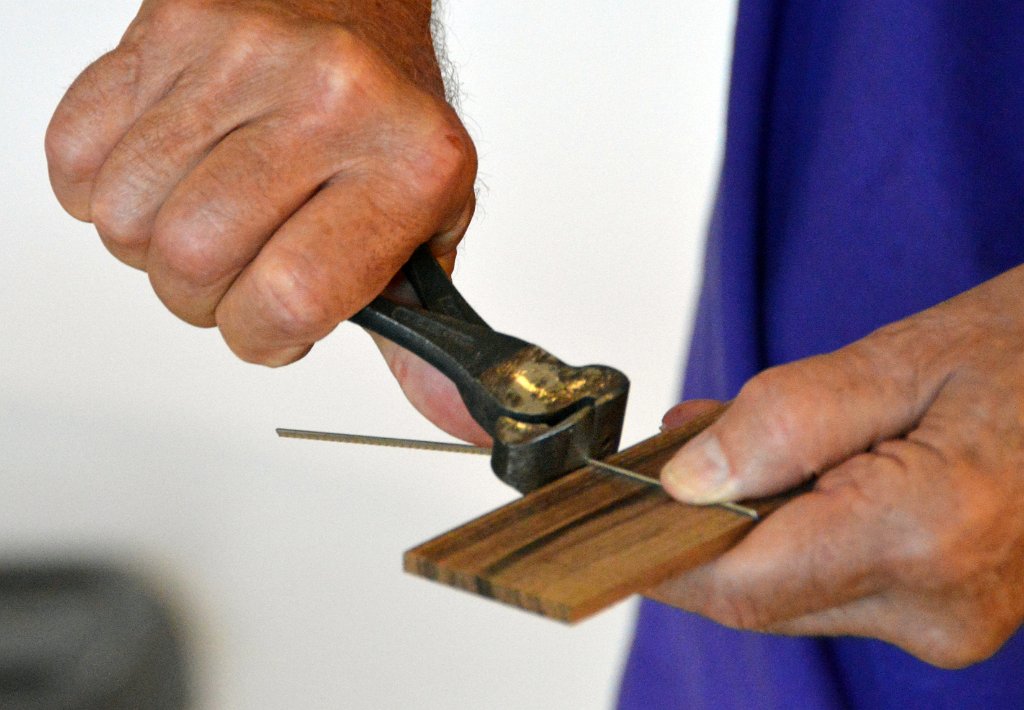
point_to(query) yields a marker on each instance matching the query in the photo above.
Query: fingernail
(699, 473)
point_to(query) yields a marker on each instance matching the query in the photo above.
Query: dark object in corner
(85, 638)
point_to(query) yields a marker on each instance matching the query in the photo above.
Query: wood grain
(586, 541)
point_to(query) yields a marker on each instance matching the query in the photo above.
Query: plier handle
(545, 417)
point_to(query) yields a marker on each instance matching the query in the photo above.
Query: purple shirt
(874, 166)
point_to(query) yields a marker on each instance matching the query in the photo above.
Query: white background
(127, 435)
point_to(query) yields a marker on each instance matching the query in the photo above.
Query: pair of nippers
(546, 418)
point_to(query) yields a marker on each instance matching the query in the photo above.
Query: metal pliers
(546, 418)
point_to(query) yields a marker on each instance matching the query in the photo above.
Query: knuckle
(116, 220)
(70, 144)
(936, 547)
(442, 163)
(890, 358)
(293, 299)
(192, 257)
(767, 388)
(344, 76)
(918, 559)
(71, 156)
(122, 71)
(250, 39)
(769, 396)
(347, 89)
(168, 19)
(953, 647)
(930, 558)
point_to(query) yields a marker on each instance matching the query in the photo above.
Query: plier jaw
(527, 456)
(546, 418)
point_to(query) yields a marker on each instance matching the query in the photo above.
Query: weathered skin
(914, 532)
(271, 165)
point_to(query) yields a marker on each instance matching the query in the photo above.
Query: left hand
(914, 531)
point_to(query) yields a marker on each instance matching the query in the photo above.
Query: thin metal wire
(447, 447)
(612, 468)
(383, 441)
(734, 507)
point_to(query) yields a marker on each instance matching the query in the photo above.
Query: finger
(153, 157)
(859, 617)
(924, 627)
(325, 263)
(431, 393)
(793, 420)
(847, 560)
(218, 217)
(443, 244)
(685, 412)
(896, 621)
(96, 112)
(921, 626)
(823, 549)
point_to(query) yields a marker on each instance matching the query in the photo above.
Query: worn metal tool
(546, 418)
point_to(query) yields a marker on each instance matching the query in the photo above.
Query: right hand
(271, 165)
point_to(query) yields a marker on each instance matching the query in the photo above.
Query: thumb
(794, 420)
(431, 393)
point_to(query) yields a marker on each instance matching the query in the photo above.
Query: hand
(914, 531)
(271, 165)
